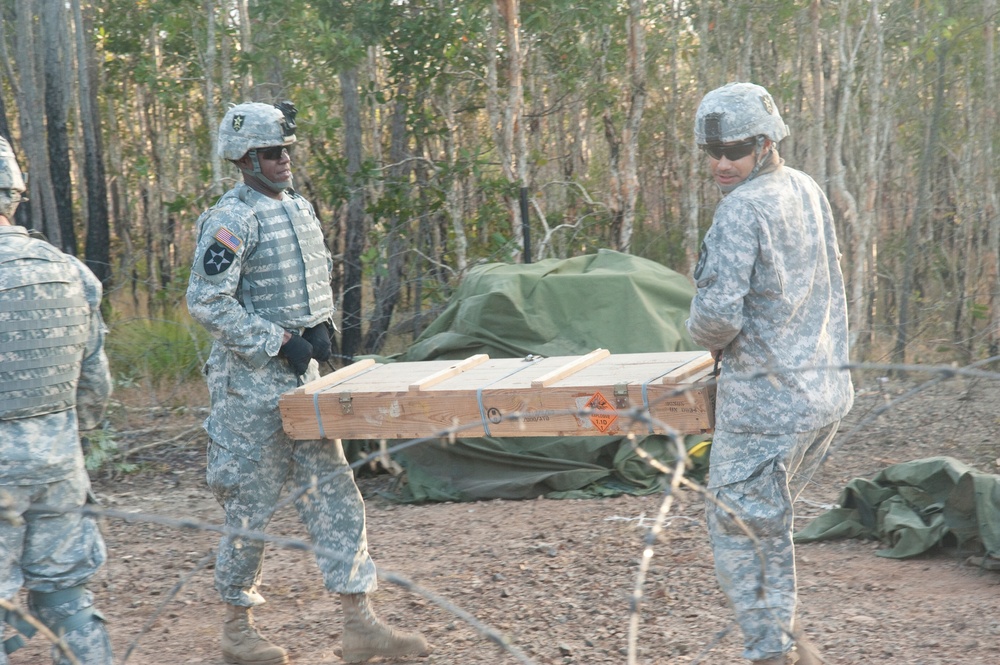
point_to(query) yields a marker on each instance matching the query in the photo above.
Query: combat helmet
(11, 181)
(255, 125)
(736, 112)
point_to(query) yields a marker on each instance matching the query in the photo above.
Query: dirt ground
(555, 577)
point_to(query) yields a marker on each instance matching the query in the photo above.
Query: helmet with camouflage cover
(255, 125)
(736, 112)
(11, 180)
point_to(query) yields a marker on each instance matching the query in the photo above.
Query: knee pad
(16, 621)
(70, 614)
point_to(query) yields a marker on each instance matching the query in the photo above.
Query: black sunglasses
(732, 152)
(274, 152)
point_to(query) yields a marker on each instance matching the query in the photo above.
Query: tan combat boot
(366, 637)
(243, 645)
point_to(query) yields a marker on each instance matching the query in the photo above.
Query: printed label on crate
(602, 421)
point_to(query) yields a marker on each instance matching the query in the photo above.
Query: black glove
(298, 352)
(319, 337)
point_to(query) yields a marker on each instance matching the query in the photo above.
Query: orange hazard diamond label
(602, 421)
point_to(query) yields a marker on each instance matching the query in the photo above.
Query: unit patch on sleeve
(217, 259)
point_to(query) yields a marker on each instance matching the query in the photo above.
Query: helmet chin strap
(276, 187)
(759, 154)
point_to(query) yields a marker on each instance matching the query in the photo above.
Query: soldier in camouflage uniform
(770, 297)
(261, 285)
(54, 380)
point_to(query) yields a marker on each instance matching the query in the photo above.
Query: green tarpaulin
(914, 506)
(550, 308)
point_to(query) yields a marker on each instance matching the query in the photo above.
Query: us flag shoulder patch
(228, 240)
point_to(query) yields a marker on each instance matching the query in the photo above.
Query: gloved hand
(298, 352)
(319, 337)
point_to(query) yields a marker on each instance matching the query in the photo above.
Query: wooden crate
(592, 395)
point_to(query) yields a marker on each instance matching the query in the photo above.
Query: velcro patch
(217, 259)
(227, 239)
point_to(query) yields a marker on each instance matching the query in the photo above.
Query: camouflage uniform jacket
(770, 293)
(242, 232)
(46, 448)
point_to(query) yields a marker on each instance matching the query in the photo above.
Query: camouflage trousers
(46, 550)
(331, 509)
(757, 477)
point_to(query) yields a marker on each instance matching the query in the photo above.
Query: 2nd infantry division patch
(217, 259)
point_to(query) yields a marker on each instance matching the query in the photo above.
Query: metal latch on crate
(621, 395)
(346, 405)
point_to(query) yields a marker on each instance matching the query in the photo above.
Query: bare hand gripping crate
(596, 394)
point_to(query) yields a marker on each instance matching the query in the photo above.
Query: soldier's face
(731, 172)
(275, 164)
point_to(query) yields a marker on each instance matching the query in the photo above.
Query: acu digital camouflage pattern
(250, 457)
(770, 295)
(40, 457)
(770, 292)
(11, 180)
(758, 477)
(47, 448)
(738, 111)
(253, 125)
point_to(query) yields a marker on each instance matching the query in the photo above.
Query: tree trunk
(923, 201)
(54, 38)
(387, 286)
(506, 122)
(841, 198)
(630, 134)
(211, 108)
(355, 227)
(246, 47)
(863, 240)
(31, 105)
(98, 246)
(992, 211)
(817, 148)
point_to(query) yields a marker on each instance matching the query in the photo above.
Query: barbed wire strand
(639, 415)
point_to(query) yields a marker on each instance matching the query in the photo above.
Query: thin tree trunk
(692, 193)
(246, 46)
(211, 108)
(864, 244)
(453, 201)
(630, 133)
(992, 211)
(508, 122)
(818, 144)
(923, 200)
(842, 199)
(355, 227)
(388, 284)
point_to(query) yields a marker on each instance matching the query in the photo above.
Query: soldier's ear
(244, 162)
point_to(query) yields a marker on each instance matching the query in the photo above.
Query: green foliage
(159, 351)
(101, 449)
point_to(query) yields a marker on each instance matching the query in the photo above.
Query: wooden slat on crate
(688, 369)
(449, 372)
(335, 377)
(571, 367)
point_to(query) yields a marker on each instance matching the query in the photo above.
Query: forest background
(434, 135)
